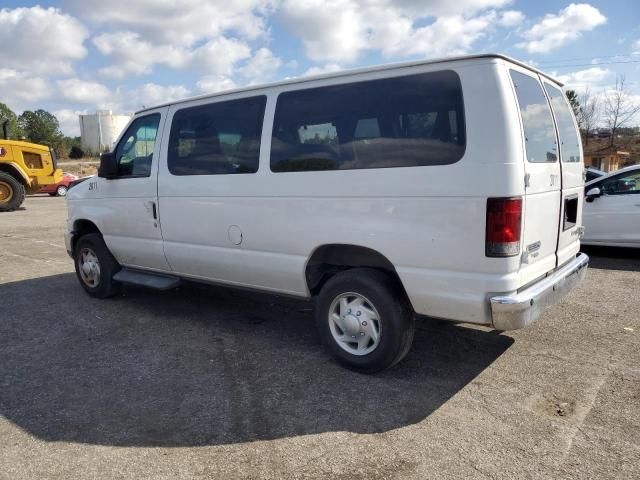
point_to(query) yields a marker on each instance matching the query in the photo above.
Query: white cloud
(329, 29)
(510, 18)
(433, 8)
(41, 40)
(69, 122)
(183, 23)
(635, 47)
(21, 89)
(219, 56)
(339, 31)
(446, 36)
(122, 99)
(82, 91)
(215, 83)
(555, 30)
(593, 77)
(262, 67)
(151, 94)
(326, 68)
(133, 55)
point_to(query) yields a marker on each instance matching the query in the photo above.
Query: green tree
(572, 96)
(7, 114)
(41, 127)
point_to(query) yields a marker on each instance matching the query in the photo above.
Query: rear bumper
(517, 310)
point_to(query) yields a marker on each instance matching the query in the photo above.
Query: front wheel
(364, 318)
(11, 193)
(61, 191)
(95, 266)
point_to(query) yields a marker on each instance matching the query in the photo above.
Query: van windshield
(569, 140)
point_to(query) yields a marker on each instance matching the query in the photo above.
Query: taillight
(504, 220)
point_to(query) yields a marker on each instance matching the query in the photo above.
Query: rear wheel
(95, 266)
(365, 319)
(11, 193)
(61, 191)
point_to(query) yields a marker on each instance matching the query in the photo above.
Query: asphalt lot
(206, 382)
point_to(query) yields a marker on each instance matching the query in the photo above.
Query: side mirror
(108, 166)
(593, 193)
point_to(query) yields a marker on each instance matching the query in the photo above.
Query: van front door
(129, 203)
(541, 215)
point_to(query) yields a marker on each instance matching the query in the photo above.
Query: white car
(612, 209)
(449, 188)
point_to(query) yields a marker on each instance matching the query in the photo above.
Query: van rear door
(541, 215)
(572, 167)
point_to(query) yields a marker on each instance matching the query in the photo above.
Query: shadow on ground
(613, 258)
(205, 366)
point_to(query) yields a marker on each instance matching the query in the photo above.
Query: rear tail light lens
(504, 220)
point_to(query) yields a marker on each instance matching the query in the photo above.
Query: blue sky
(75, 56)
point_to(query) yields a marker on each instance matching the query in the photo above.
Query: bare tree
(588, 114)
(618, 108)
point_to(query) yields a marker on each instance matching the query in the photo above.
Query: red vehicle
(59, 189)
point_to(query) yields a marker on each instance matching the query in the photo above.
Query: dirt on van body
(205, 382)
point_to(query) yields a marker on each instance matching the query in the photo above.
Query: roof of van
(345, 73)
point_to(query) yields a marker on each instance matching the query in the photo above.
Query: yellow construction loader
(24, 168)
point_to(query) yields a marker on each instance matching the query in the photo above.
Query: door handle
(151, 206)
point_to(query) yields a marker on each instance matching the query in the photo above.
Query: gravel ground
(206, 382)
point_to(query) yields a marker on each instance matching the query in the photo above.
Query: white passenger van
(451, 189)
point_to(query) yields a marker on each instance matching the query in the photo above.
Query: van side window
(218, 138)
(539, 131)
(409, 121)
(134, 152)
(569, 139)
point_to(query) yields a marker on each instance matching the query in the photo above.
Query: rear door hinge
(527, 180)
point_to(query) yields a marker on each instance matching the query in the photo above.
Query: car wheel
(11, 193)
(61, 191)
(365, 319)
(95, 266)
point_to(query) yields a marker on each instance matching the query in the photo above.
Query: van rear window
(409, 121)
(539, 131)
(569, 139)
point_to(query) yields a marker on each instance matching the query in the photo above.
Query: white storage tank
(99, 131)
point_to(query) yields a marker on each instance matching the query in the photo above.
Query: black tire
(397, 322)
(12, 191)
(105, 287)
(61, 191)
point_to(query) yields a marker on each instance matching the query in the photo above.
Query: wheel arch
(16, 173)
(82, 227)
(329, 259)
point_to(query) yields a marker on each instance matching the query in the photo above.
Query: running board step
(147, 279)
